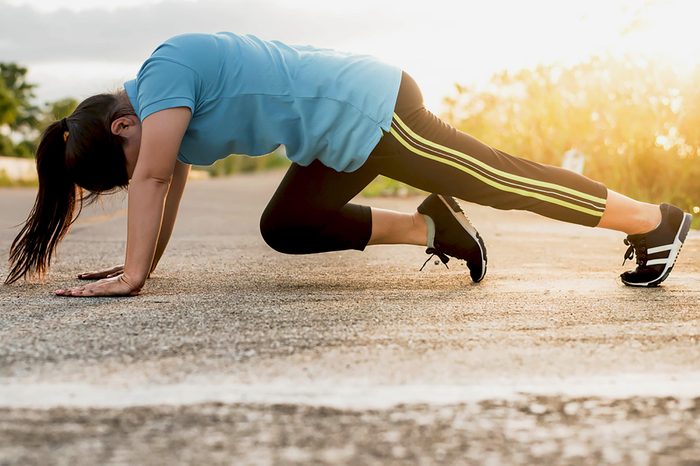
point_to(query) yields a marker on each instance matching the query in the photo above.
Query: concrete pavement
(237, 354)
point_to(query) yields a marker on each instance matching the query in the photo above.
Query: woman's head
(78, 158)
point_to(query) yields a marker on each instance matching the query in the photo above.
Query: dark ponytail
(76, 153)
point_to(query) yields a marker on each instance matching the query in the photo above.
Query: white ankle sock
(431, 231)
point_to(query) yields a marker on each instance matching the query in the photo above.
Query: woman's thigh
(427, 153)
(309, 192)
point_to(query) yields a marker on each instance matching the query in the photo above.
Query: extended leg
(427, 153)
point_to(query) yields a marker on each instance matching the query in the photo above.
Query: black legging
(310, 211)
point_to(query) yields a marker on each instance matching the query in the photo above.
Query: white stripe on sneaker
(462, 219)
(657, 261)
(469, 228)
(673, 255)
(668, 247)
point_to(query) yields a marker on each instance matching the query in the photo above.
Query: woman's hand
(115, 286)
(107, 273)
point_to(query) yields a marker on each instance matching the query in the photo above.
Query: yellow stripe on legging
(496, 171)
(495, 184)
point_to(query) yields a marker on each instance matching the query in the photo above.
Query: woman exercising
(343, 119)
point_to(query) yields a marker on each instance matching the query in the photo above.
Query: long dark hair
(78, 158)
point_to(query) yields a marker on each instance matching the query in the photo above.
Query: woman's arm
(161, 136)
(160, 142)
(172, 204)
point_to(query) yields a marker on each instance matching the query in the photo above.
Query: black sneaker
(450, 233)
(657, 250)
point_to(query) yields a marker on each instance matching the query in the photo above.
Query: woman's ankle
(648, 219)
(420, 227)
(628, 215)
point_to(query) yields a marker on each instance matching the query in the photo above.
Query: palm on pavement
(114, 286)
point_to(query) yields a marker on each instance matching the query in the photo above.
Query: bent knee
(280, 235)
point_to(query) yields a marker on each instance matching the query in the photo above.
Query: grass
(386, 187)
(7, 182)
(244, 164)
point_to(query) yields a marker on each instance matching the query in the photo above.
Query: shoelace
(638, 248)
(435, 252)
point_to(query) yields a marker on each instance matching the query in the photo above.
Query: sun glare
(446, 41)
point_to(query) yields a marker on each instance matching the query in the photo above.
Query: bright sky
(86, 46)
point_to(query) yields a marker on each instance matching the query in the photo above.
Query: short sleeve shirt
(249, 96)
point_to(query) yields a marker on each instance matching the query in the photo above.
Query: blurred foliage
(383, 186)
(245, 164)
(20, 117)
(637, 123)
(56, 110)
(6, 181)
(16, 95)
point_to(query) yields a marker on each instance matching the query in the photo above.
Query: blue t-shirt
(248, 96)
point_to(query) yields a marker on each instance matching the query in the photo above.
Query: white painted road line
(49, 395)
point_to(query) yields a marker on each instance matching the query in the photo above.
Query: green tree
(16, 95)
(55, 110)
(8, 105)
(60, 108)
(18, 115)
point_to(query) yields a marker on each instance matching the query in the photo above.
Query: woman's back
(249, 95)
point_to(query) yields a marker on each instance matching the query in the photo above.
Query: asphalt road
(236, 354)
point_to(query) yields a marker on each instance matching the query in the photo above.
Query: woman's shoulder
(185, 44)
(200, 52)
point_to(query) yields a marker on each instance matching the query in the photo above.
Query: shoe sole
(471, 231)
(673, 256)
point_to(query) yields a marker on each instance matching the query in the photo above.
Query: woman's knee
(272, 228)
(285, 233)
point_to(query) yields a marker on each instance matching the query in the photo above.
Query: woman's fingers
(107, 287)
(107, 273)
(93, 275)
(75, 291)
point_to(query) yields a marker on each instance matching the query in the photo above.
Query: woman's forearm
(172, 204)
(166, 228)
(145, 215)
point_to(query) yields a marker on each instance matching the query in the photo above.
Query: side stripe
(493, 183)
(495, 177)
(668, 247)
(657, 262)
(487, 167)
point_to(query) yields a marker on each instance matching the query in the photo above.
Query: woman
(343, 120)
